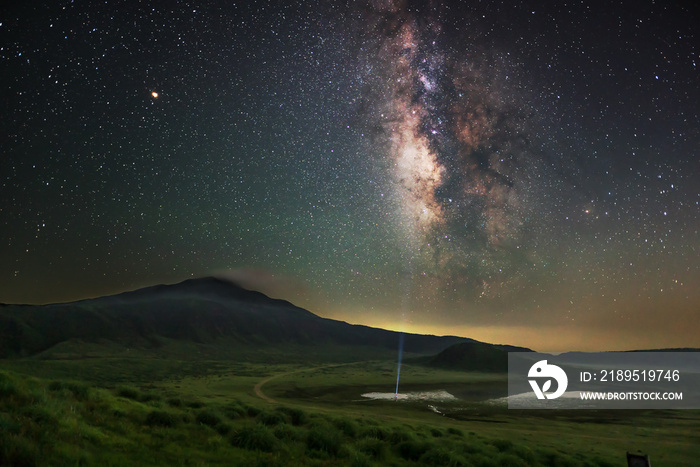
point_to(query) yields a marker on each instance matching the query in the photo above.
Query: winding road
(258, 387)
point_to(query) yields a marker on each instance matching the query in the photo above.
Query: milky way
(459, 154)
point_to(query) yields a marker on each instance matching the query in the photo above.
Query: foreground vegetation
(217, 419)
(57, 422)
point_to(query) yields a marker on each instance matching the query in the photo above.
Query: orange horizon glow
(552, 339)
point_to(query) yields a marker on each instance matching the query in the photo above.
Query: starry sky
(520, 172)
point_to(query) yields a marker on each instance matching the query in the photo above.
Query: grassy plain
(139, 410)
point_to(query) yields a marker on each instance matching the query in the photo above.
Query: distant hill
(198, 311)
(475, 356)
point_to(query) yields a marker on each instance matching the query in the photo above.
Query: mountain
(475, 356)
(203, 311)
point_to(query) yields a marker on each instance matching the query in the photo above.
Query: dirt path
(258, 387)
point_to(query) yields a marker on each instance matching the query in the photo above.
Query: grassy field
(150, 411)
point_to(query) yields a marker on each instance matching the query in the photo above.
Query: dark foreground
(104, 411)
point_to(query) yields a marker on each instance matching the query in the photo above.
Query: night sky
(517, 172)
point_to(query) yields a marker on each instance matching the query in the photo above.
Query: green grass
(214, 418)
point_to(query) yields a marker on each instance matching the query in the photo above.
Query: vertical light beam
(398, 372)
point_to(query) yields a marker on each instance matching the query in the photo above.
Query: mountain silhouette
(197, 311)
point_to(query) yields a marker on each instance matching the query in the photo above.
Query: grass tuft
(161, 418)
(374, 432)
(503, 445)
(286, 432)
(7, 386)
(483, 460)
(442, 457)
(271, 419)
(80, 391)
(296, 416)
(149, 397)
(357, 458)
(223, 428)
(233, 411)
(412, 450)
(254, 437)
(374, 448)
(209, 417)
(511, 460)
(8, 425)
(252, 411)
(324, 438)
(18, 451)
(347, 426)
(174, 402)
(128, 393)
(399, 435)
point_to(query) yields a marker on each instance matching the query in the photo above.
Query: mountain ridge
(198, 311)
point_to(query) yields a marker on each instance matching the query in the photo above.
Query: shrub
(357, 458)
(271, 419)
(554, 458)
(128, 393)
(413, 450)
(149, 397)
(603, 463)
(209, 418)
(287, 432)
(9, 389)
(524, 453)
(372, 447)
(8, 425)
(296, 416)
(174, 402)
(325, 439)
(440, 457)
(187, 417)
(223, 428)
(436, 433)
(56, 386)
(80, 391)
(254, 438)
(482, 460)
(18, 451)
(473, 447)
(399, 435)
(511, 460)
(455, 432)
(374, 432)
(233, 411)
(40, 415)
(347, 426)
(161, 418)
(502, 445)
(252, 411)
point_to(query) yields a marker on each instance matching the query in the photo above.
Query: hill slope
(197, 311)
(475, 356)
